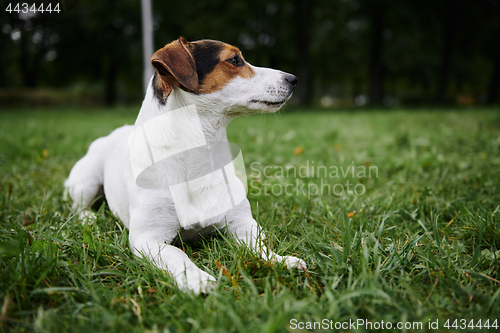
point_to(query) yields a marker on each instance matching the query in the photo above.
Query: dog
(196, 90)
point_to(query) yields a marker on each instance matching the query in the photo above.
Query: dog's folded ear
(175, 64)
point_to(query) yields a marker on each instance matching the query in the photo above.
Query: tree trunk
(29, 65)
(376, 67)
(494, 85)
(449, 33)
(303, 22)
(147, 41)
(110, 84)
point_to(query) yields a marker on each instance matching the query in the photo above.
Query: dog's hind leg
(85, 180)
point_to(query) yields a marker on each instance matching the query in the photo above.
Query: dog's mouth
(268, 103)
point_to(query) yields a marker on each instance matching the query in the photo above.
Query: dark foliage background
(345, 52)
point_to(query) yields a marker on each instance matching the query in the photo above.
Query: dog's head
(219, 73)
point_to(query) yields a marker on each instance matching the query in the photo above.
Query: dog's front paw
(294, 262)
(197, 281)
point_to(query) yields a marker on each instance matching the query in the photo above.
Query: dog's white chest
(169, 152)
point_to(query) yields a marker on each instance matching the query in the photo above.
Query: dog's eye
(235, 61)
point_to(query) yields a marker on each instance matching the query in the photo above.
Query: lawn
(396, 213)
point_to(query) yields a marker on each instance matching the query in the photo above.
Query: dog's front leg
(249, 233)
(175, 261)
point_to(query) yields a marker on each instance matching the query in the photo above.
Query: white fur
(150, 213)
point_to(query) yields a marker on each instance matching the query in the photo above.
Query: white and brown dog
(211, 84)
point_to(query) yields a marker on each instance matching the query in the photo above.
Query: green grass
(423, 243)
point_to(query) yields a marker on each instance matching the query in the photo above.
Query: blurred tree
(494, 85)
(93, 41)
(303, 28)
(450, 12)
(492, 13)
(33, 48)
(377, 12)
(108, 44)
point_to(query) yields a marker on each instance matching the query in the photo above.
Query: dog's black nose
(292, 79)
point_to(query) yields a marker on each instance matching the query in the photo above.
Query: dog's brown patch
(224, 71)
(161, 89)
